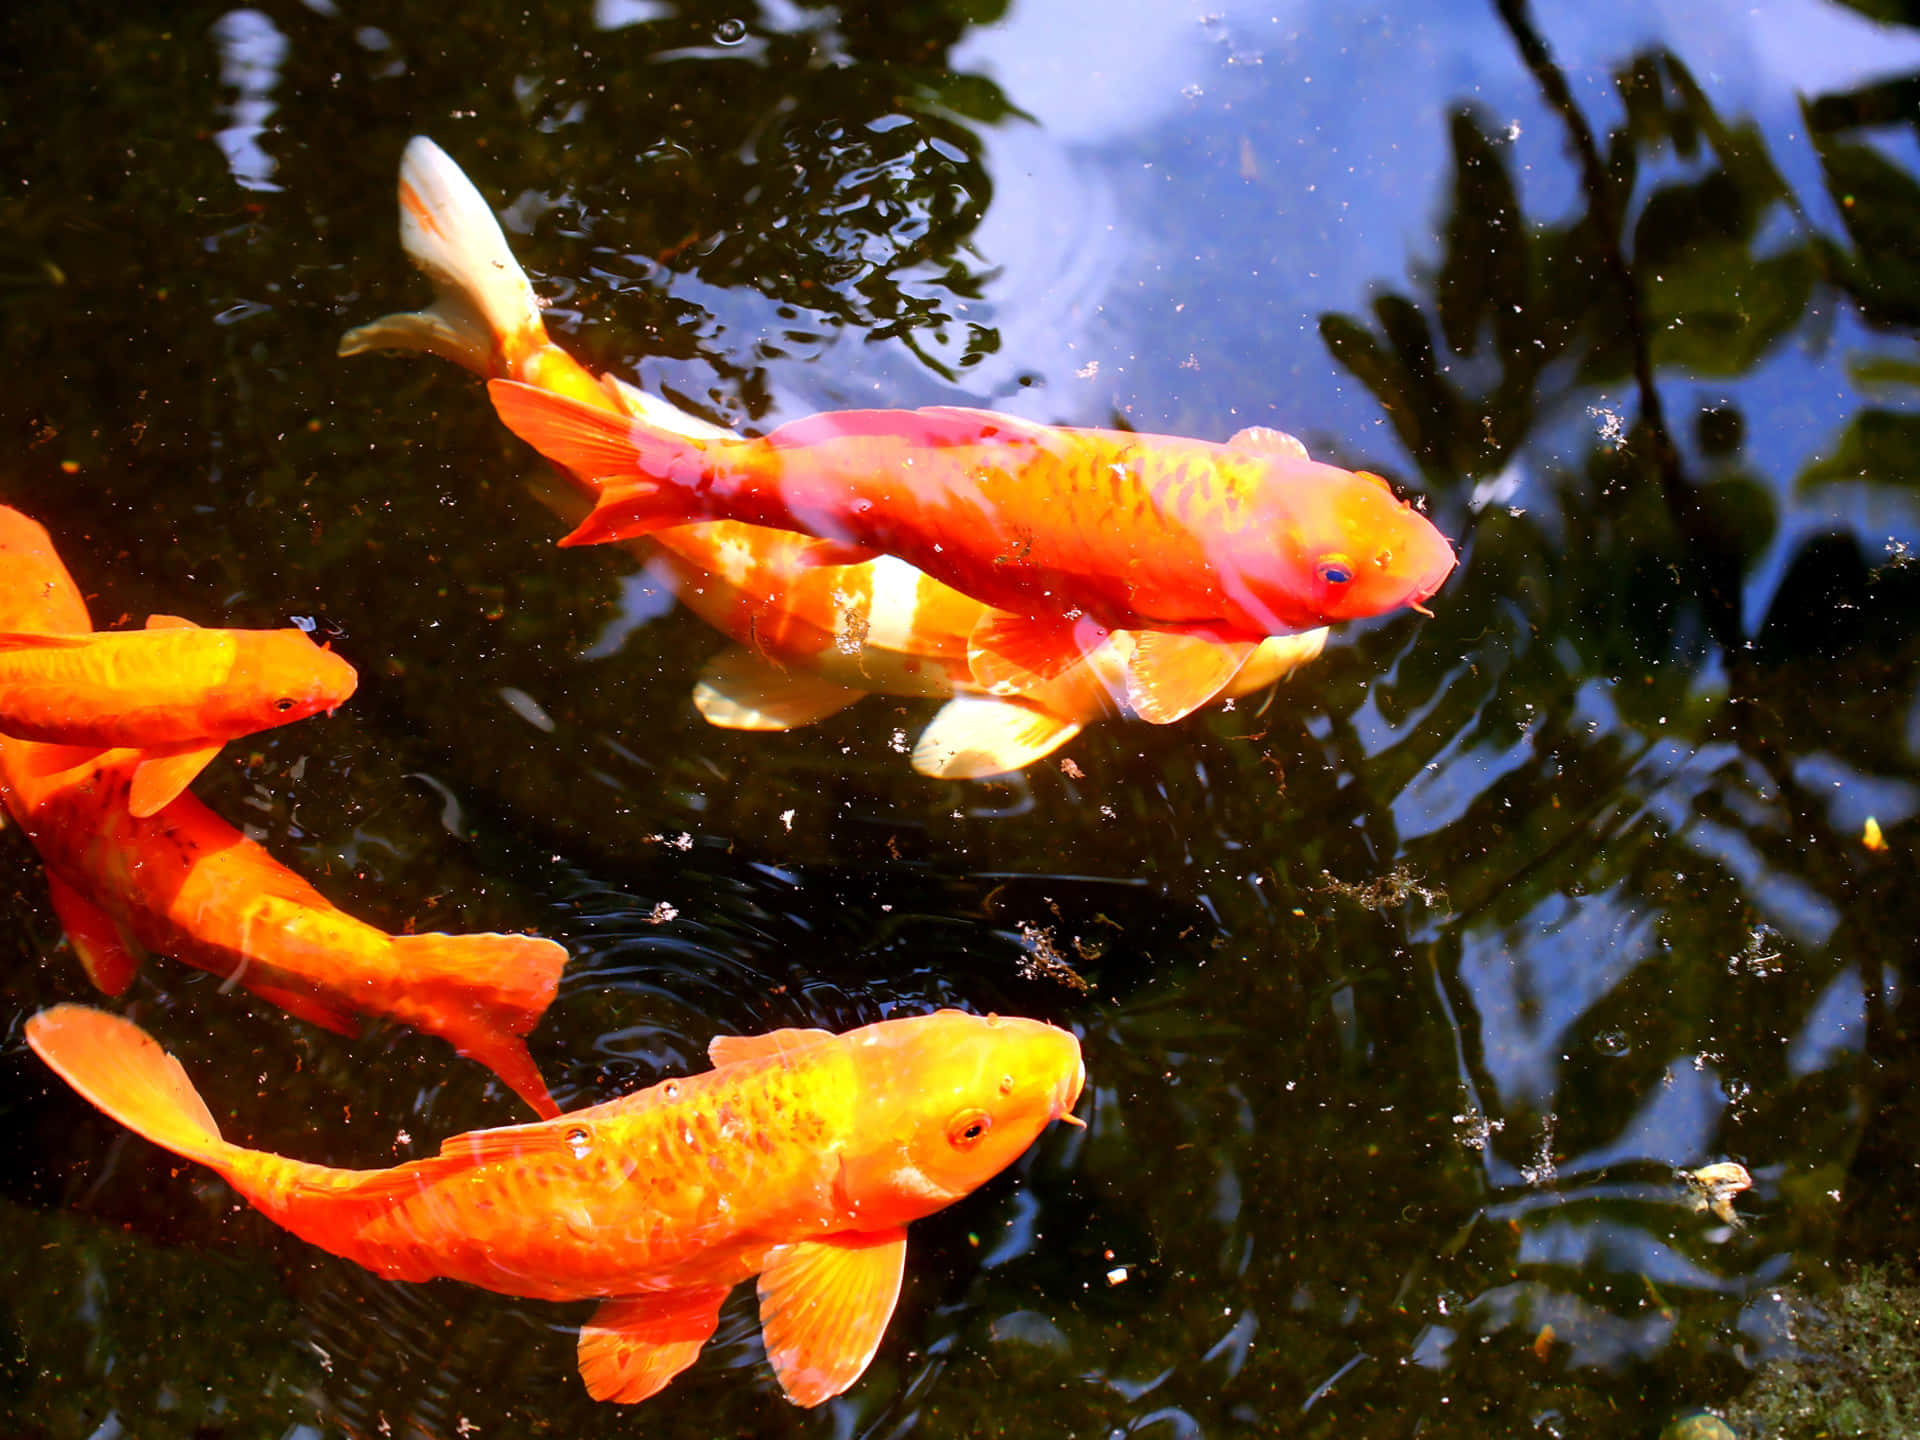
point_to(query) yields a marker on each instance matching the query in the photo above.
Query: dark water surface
(1411, 988)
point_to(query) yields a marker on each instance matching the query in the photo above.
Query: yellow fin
(159, 779)
(976, 735)
(94, 937)
(740, 691)
(1266, 439)
(1171, 676)
(730, 1049)
(824, 1304)
(634, 1345)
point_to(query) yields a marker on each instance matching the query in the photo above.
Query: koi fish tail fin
(124, 1073)
(485, 315)
(619, 456)
(483, 994)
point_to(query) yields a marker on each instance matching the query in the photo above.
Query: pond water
(1407, 991)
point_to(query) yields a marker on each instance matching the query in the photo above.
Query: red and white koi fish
(800, 1158)
(812, 638)
(182, 882)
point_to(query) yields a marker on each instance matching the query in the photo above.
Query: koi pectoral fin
(1010, 652)
(740, 691)
(974, 736)
(824, 1304)
(1170, 676)
(159, 779)
(634, 1345)
(94, 937)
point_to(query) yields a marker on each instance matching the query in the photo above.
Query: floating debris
(1713, 1187)
(1386, 892)
(1871, 837)
(1044, 960)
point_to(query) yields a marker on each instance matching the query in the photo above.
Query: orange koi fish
(184, 883)
(811, 638)
(800, 1158)
(173, 690)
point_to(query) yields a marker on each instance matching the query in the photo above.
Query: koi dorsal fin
(1269, 441)
(936, 427)
(169, 622)
(731, 1049)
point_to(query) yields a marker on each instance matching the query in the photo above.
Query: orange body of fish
(800, 1159)
(184, 883)
(812, 637)
(174, 690)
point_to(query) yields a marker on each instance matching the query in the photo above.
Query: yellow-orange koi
(800, 1158)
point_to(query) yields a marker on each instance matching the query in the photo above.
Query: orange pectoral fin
(159, 779)
(1171, 676)
(633, 1346)
(94, 937)
(730, 1049)
(824, 1304)
(169, 622)
(1010, 652)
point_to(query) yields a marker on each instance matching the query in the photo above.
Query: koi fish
(811, 638)
(182, 882)
(173, 690)
(800, 1158)
(1069, 534)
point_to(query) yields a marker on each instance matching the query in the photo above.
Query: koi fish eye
(579, 1142)
(968, 1129)
(1334, 570)
(283, 704)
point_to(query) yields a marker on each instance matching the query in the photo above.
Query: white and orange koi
(810, 638)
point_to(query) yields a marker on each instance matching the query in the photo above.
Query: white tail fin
(484, 308)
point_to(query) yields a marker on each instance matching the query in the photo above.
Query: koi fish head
(949, 1100)
(1347, 547)
(280, 676)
